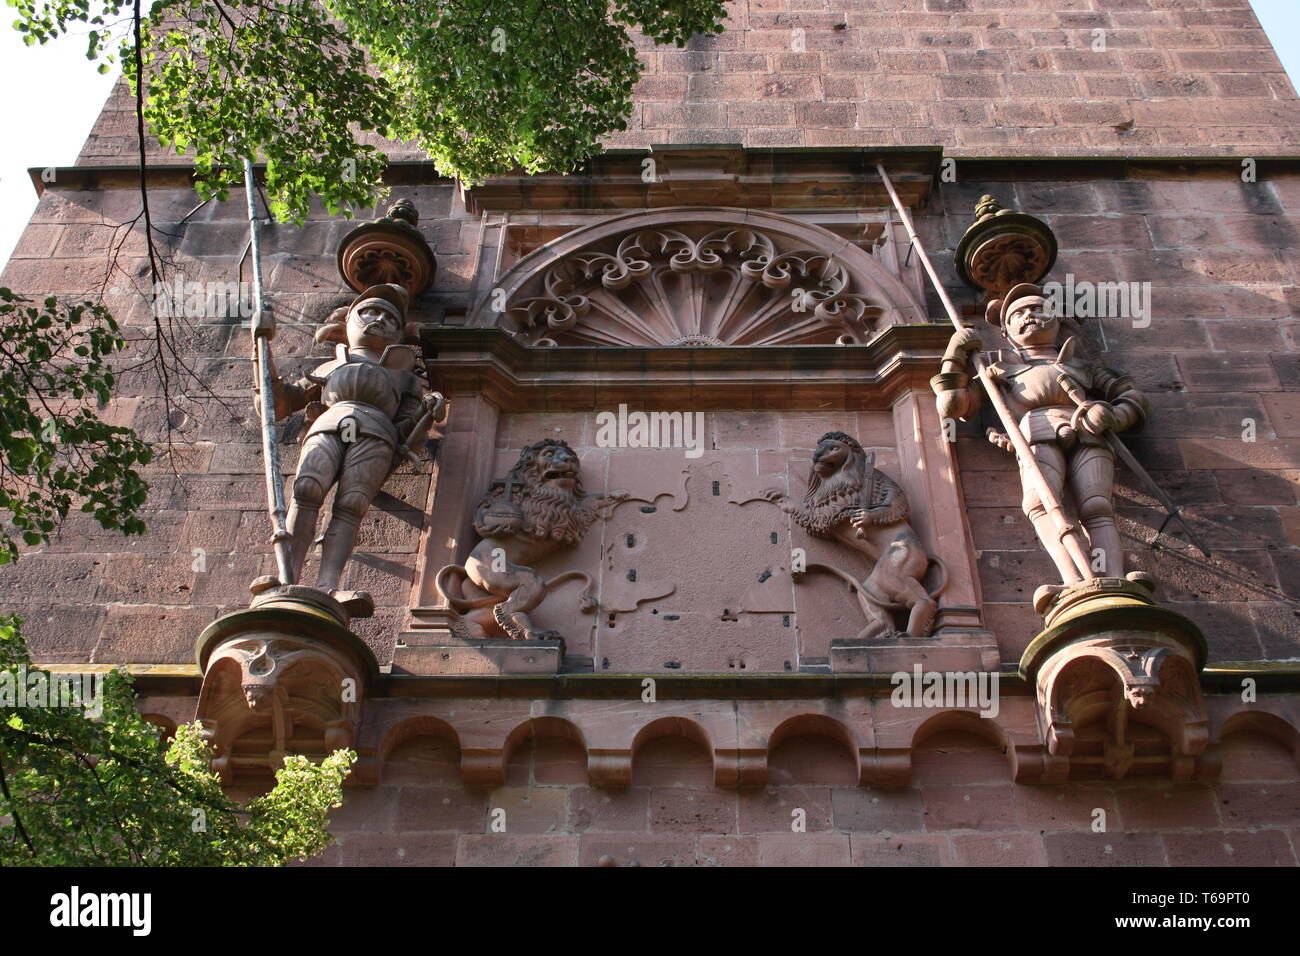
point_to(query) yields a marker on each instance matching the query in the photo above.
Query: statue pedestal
(1118, 686)
(285, 676)
(440, 652)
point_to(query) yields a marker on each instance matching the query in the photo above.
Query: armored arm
(288, 397)
(1129, 405)
(954, 395)
(418, 412)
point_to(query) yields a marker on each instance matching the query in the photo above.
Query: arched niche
(698, 276)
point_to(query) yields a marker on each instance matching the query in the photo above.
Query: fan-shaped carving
(697, 279)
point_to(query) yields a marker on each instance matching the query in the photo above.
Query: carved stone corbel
(284, 677)
(389, 249)
(1117, 685)
(1003, 248)
(609, 767)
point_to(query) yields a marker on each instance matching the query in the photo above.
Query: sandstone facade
(1133, 157)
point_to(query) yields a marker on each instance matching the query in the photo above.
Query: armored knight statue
(855, 503)
(538, 508)
(1068, 408)
(365, 409)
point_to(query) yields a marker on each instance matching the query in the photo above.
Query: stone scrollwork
(697, 284)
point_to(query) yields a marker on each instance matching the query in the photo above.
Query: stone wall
(961, 809)
(1219, 350)
(1012, 77)
(1219, 361)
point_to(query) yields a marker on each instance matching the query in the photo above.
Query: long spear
(1068, 532)
(263, 328)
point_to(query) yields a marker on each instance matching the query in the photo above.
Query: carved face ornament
(1029, 323)
(373, 324)
(830, 457)
(559, 466)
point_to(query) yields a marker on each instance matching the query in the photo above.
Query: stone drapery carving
(699, 278)
(364, 409)
(1065, 404)
(539, 507)
(849, 500)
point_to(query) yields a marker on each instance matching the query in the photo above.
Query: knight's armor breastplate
(364, 383)
(1036, 386)
(1039, 400)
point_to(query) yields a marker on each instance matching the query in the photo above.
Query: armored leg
(366, 464)
(1092, 480)
(318, 468)
(1051, 462)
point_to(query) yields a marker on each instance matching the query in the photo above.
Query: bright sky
(53, 95)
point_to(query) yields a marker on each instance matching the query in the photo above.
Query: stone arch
(814, 725)
(969, 723)
(698, 276)
(163, 723)
(669, 727)
(420, 726)
(413, 728)
(1264, 724)
(541, 728)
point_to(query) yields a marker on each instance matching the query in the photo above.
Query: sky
(53, 94)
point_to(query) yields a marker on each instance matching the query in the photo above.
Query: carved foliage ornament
(730, 286)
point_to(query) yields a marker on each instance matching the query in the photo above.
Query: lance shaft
(1067, 531)
(263, 327)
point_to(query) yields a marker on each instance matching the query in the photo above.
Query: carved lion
(535, 510)
(850, 501)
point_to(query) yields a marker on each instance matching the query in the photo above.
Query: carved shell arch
(692, 276)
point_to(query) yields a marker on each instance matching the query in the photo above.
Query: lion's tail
(854, 584)
(586, 600)
(459, 604)
(860, 588)
(943, 576)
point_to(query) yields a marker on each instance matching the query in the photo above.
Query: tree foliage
(54, 449)
(92, 792)
(483, 86)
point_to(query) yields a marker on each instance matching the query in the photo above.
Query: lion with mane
(849, 500)
(536, 509)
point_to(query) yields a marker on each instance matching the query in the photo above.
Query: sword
(407, 448)
(1080, 398)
